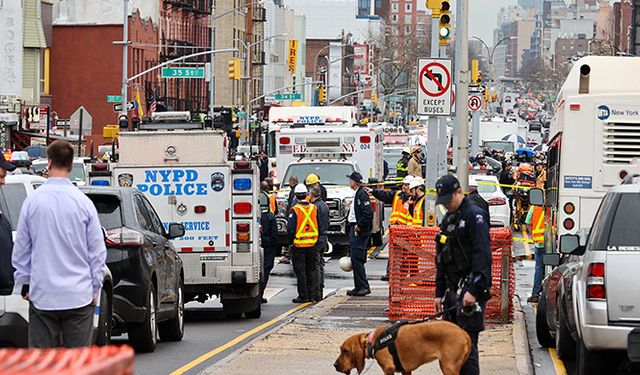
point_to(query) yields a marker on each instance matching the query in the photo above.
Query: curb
(521, 346)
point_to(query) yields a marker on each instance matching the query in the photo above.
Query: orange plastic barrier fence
(94, 360)
(412, 274)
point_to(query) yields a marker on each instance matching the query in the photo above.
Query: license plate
(633, 345)
(212, 258)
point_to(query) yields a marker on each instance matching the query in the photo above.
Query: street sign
(117, 107)
(74, 122)
(475, 102)
(241, 114)
(289, 96)
(114, 99)
(182, 72)
(434, 87)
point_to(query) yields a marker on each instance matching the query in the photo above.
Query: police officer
(402, 167)
(476, 198)
(268, 239)
(315, 197)
(463, 263)
(360, 219)
(302, 230)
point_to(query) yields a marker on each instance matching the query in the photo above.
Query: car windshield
(485, 188)
(77, 173)
(623, 235)
(329, 173)
(12, 197)
(108, 207)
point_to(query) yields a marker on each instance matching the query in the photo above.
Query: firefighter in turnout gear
(302, 229)
(402, 167)
(463, 264)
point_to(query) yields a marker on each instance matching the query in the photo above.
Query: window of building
(407, 18)
(394, 18)
(407, 29)
(395, 7)
(408, 7)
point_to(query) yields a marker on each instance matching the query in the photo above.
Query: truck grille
(334, 208)
(621, 143)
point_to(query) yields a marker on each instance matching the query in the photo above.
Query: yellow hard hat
(311, 179)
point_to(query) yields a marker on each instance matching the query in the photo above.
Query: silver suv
(592, 298)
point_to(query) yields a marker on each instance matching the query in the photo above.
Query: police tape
(522, 240)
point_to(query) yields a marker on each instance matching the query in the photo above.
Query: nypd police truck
(182, 167)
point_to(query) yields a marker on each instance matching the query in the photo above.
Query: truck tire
(542, 328)
(234, 308)
(143, 336)
(565, 345)
(173, 329)
(105, 323)
(588, 362)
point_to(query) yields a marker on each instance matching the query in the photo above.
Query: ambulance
(182, 168)
(332, 151)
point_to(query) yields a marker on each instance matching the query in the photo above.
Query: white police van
(183, 169)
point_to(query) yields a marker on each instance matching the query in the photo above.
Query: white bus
(594, 140)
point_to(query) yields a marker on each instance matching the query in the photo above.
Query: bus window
(553, 174)
(271, 144)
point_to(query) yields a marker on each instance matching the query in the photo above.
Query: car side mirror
(551, 259)
(570, 244)
(264, 202)
(175, 231)
(536, 197)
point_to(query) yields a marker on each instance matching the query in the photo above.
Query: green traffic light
(445, 32)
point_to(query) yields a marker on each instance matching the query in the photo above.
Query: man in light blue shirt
(59, 257)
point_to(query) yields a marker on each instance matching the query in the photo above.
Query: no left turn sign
(474, 103)
(434, 87)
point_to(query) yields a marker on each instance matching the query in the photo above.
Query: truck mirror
(551, 259)
(570, 244)
(536, 197)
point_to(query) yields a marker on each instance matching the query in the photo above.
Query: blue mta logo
(603, 112)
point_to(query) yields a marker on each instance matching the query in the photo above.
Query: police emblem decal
(217, 181)
(479, 219)
(125, 180)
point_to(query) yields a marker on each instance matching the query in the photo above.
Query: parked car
(590, 307)
(79, 173)
(535, 126)
(14, 311)
(498, 203)
(148, 277)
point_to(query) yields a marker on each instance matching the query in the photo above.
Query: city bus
(594, 140)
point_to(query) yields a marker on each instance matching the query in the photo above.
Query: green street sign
(182, 72)
(289, 96)
(114, 99)
(241, 114)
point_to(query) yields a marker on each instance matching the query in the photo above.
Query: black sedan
(148, 277)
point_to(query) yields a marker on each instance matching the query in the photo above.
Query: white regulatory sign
(475, 102)
(434, 87)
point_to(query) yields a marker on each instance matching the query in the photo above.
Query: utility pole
(457, 67)
(212, 81)
(462, 96)
(125, 55)
(247, 93)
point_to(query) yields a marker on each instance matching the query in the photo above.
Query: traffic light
(374, 99)
(234, 69)
(479, 80)
(322, 95)
(445, 22)
(474, 71)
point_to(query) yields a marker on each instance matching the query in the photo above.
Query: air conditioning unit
(171, 116)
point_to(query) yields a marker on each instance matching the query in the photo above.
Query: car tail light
(242, 164)
(497, 201)
(124, 237)
(568, 224)
(285, 140)
(569, 208)
(365, 139)
(102, 167)
(242, 208)
(200, 209)
(595, 282)
(242, 232)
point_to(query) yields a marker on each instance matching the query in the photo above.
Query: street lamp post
(490, 53)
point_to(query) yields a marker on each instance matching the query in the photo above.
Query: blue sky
(483, 17)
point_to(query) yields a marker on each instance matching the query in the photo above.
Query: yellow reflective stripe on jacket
(399, 214)
(303, 237)
(418, 216)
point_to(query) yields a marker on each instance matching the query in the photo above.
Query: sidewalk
(309, 343)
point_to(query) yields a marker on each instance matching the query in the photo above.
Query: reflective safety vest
(418, 215)
(306, 226)
(399, 212)
(273, 205)
(402, 169)
(537, 225)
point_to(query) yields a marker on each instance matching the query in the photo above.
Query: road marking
(371, 250)
(271, 292)
(237, 340)
(527, 251)
(557, 362)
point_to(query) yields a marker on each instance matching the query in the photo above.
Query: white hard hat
(408, 179)
(406, 150)
(301, 189)
(345, 264)
(417, 181)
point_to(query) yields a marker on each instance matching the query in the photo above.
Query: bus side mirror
(536, 197)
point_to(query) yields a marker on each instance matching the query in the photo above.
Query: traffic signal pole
(125, 55)
(462, 95)
(431, 174)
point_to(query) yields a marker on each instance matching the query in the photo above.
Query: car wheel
(565, 345)
(143, 336)
(103, 334)
(173, 329)
(588, 362)
(542, 329)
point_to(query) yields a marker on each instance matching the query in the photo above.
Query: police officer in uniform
(360, 219)
(463, 263)
(302, 229)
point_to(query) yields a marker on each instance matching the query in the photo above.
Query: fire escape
(184, 31)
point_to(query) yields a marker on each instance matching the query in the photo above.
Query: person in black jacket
(360, 219)
(268, 240)
(6, 239)
(263, 165)
(476, 198)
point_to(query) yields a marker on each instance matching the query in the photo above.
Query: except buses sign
(434, 87)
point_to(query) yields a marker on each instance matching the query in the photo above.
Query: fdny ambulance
(332, 148)
(183, 169)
